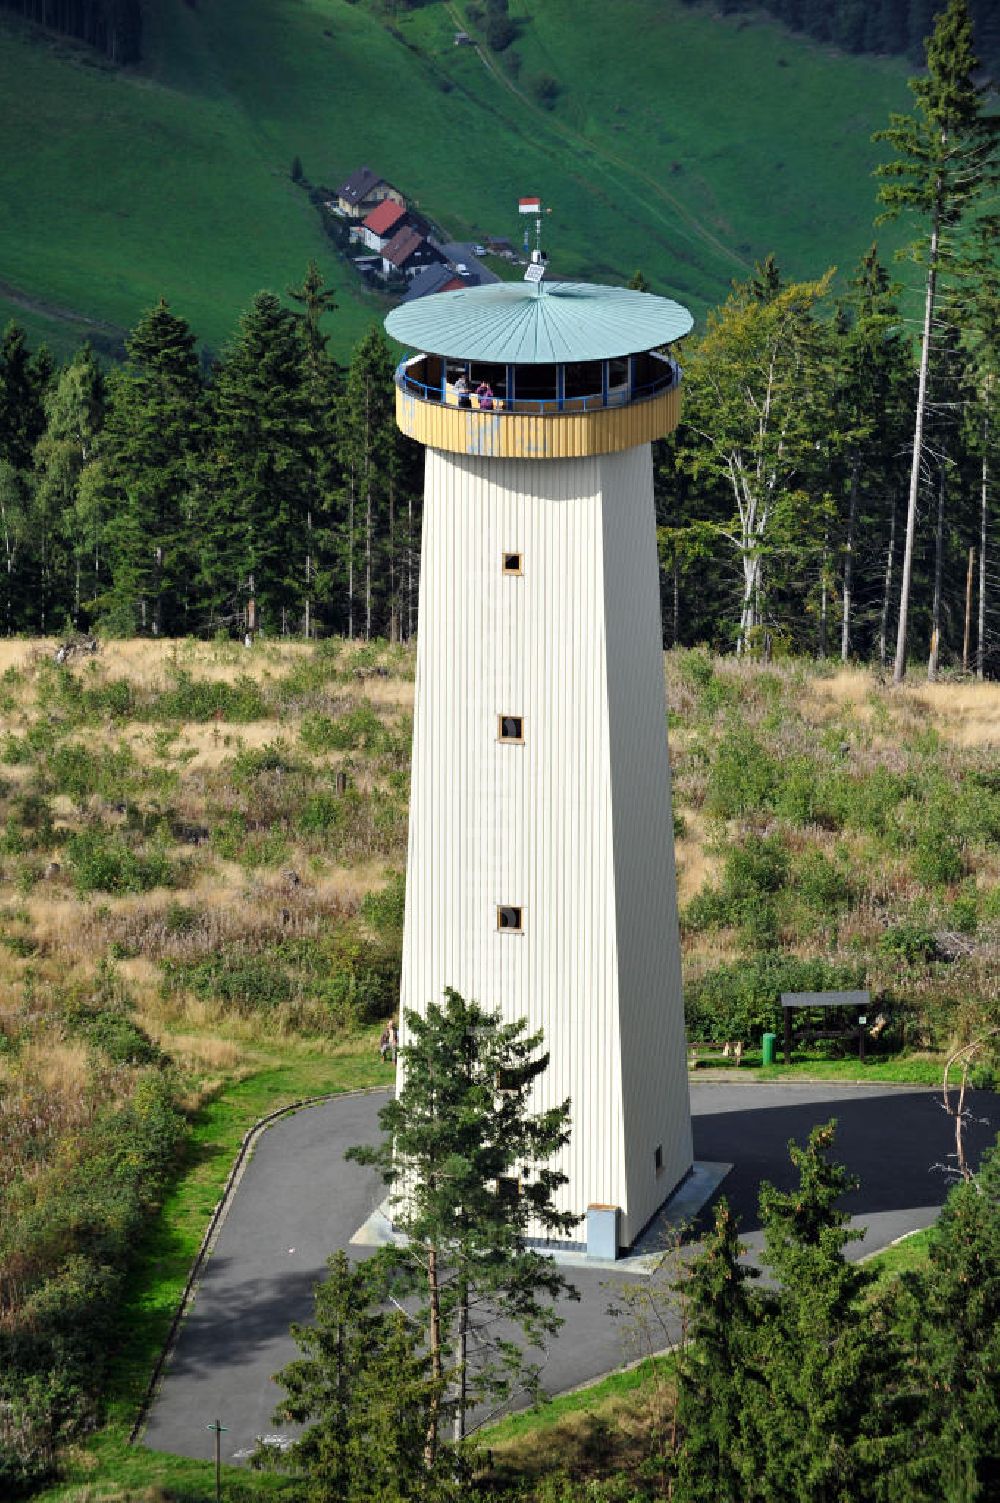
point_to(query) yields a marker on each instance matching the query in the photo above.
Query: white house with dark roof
(363, 191)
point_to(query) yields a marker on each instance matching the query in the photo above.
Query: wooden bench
(728, 1049)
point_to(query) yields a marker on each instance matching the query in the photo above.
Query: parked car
(479, 250)
(461, 269)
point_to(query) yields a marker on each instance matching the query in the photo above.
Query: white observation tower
(540, 876)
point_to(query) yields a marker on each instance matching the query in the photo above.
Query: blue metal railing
(619, 396)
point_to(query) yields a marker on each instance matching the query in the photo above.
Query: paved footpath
(299, 1201)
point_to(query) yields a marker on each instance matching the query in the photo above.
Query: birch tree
(753, 382)
(945, 166)
(67, 449)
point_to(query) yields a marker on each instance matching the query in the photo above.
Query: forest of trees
(831, 488)
(113, 27)
(161, 497)
(895, 26)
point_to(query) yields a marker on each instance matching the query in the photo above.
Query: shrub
(383, 910)
(742, 1000)
(249, 763)
(73, 769)
(870, 803)
(31, 826)
(71, 1237)
(937, 856)
(206, 699)
(964, 915)
(909, 942)
(698, 672)
(755, 864)
(179, 919)
(249, 983)
(545, 88)
(798, 797)
(319, 813)
(754, 870)
(359, 729)
(121, 1040)
(821, 884)
(364, 982)
(744, 777)
(103, 863)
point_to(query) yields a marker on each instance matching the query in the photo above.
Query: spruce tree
(263, 482)
(371, 447)
(824, 1409)
(316, 300)
(362, 1391)
(981, 336)
(153, 439)
(324, 385)
(468, 1167)
(872, 401)
(24, 379)
(716, 1458)
(945, 165)
(954, 1332)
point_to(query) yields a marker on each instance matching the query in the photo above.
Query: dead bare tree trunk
(983, 519)
(676, 629)
(350, 560)
(883, 635)
(932, 662)
(962, 1059)
(967, 634)
(899, 667)
(852, 512)
(824, 596)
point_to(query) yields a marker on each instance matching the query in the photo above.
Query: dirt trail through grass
(53, 310)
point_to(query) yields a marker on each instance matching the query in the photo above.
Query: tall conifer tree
(946, 162)
(872, 375)
(264, 483)
(154, 435)
(370, 448)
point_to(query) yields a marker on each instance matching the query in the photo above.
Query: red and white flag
(529, 205)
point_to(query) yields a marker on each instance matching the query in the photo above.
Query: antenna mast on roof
(536, 266)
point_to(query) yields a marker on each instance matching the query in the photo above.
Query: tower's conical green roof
(512, 323)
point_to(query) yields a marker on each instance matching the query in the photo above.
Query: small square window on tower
(512, 563)
(510, 919)
(510, 728)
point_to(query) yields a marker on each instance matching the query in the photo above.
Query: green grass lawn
(898, 1069)
(679, 142)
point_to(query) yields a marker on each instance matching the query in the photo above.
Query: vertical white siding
(575, 825)
(650, 995)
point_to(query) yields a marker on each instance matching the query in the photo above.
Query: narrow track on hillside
(604, 156)
(55, 311)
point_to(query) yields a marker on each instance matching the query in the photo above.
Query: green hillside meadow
(679, 142)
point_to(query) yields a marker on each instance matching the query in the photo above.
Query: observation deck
(572, 370)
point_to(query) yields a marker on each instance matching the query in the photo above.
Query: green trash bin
(769, 1045)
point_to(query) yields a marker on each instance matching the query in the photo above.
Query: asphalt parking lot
(299, 1201)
